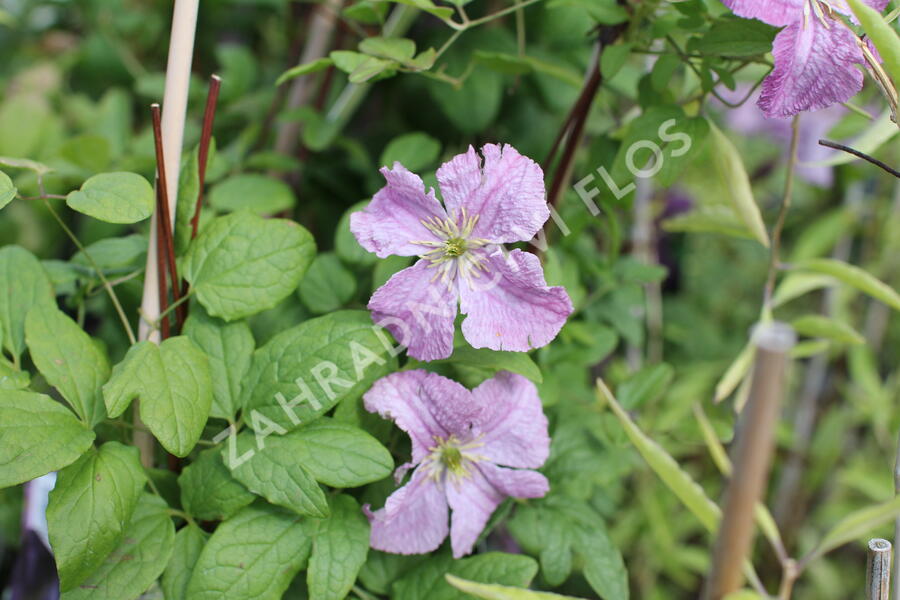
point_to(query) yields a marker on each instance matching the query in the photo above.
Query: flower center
(454, 247)
(452, 253)
(452, 457)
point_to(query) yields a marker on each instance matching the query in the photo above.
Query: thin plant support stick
(175, 95)
(878, 570)
(751, 456)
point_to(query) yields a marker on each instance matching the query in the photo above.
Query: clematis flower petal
(473, 500)
(393, 219)
(413, 520)
(512, 424)
(402, 398)
(510, 307)
(507, 193)
(417, 311)
(773, 12)
(516, 483)
(813, 69)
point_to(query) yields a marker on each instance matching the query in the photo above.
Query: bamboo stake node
(878, 570)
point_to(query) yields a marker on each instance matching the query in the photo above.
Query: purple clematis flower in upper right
(508, 304)
(815, 54)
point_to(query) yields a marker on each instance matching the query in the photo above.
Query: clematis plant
(815, 54)
(461, 258)
(470, 451)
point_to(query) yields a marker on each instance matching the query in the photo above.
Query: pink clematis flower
(459, 437)
(507, 300)
(814, 54)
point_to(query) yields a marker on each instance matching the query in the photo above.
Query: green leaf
(428, 6)
(8, 190)
(613, 59)
(678, 481)
(730, 169)
(242, 264)
(347, 60)
(663, 69)
(396, 49)
(189, 542)
(11, 378)
(823, 327)
(24, 163)
(138, 561)
(313, 366)
(208, 491)
(371, 67)
(340, 455)
(489, 591)
(852, 276)
(90, 152)
(327, 285)
(69, 360)
(98, 493)
(339, 549)
(485, 358)
(259, 194)
(415, 151)
(24, 120)
(882, 34)
(114, 198)
(254, 555)
(272, 471)
(39, 435)
(113, 255)
(645, 385)
(737, 37)
(320, 64)
(174, 384)
(427, 580)
(797, 284)
(856, 525)
(229, 350)
(23, 284)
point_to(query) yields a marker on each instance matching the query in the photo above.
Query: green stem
(782, 215)
(172, 307)
(103, 279)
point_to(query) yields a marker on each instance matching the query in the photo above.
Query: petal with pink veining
(516, 483)
(393, 219)
(813, 69)
(773, 12)
(512, 426)
(413, 520)
(400, 397)
(510, 307)
(507, 193)
(417, 311)
(473, 500)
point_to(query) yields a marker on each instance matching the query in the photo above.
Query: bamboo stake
(178, 72)
(878, 570)
(752, 456)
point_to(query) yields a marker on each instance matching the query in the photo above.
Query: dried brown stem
(862, 155)
(209, 115)
(164, 223)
